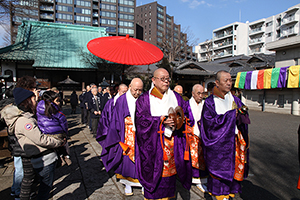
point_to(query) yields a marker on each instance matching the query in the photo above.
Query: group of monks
(144, 147)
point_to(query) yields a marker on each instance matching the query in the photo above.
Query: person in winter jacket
(53, 122)
(74, 102)
(37, 146)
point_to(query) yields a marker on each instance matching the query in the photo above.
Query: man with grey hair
(224, 133)
(195, 105)
(120, 140)
(95, 108)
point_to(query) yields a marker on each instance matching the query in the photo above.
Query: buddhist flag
(267, 78)
(254, 80)
(248, 80)
(260, 79)
(275, 77)
(237, 80)
(293, 79)
(282, 77)
(242, 80)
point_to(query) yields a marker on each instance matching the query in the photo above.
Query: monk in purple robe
(195, 105)
(120, 140)
(161, 153)
(105, 119)
(224, 132)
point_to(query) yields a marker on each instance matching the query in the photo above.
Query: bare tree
(209, 50)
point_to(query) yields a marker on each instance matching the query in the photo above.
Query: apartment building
(250, 37)
(117, 16)
(155, 26)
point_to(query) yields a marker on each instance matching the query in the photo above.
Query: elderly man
(105, 119)
(195, 105)
(179, 90)
(224, 132)
(161, 153)
(120, 140)
(95, 107)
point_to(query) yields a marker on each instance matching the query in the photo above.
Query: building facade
(117, 16)
(155, 26)
(249, 38)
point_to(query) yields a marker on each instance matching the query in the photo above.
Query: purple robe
(196, 173)
(218, 136)
(103, 127)
(149, 153)
(248, 80)
(115, 160)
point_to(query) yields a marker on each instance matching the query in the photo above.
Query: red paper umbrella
(125, 50)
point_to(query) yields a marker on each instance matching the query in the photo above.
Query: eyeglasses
(163, 79)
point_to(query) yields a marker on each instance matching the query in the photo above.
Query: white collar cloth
(196, 111)
(159, 107)
(224, 105)
(116, 97)
(131, 106)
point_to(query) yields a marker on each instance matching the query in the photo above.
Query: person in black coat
(82, 107)
(74, 101)
(95, 107)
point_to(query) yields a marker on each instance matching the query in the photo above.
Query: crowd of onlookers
(37, 133)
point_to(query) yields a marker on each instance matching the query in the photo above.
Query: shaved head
(178, 89)
(197, 93)
(136, 87)
(161, 80)
(122, 89)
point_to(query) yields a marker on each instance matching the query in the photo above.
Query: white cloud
(196, 3)
(184, 1)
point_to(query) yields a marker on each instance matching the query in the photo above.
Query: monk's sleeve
(218, 137)
(149, 154)
(114, 136)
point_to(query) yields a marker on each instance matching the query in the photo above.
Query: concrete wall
(285, 101)
(287, 57)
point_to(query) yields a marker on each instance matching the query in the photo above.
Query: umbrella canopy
(125, 50)
(68, 81)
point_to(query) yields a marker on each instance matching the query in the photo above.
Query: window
(159, 34)
(269, 34)
(160, 15)
(29, 3)
(9, 72)
(64, 8)
(269, 23)
(108, 14)
(23, 11)
(108, 21)
(82, 11)
(149, 25)
(169, 19)
(128, 24)
(65, 1)
(127, 2)
(160, 21)
(126, 9)
(110, 1)
(83, 3)
(82, 18)
(126, 31)
(149, 32)
(108, 7)
(64, 16)
(110, 29)
(159, 9)
(160, 28)
(126, 16)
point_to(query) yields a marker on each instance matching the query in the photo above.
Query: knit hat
(21, 94)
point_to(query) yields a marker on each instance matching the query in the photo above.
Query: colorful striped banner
(242, 80)
(237, 80)
(260, 79)
(267, 78)
(275, 77)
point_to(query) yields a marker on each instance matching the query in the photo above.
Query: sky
(203, 16)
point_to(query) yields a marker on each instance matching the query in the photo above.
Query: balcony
(47, 1)
(222, 44)
(288, 32)
(224, 53)
(255, 41)
(95, 22)
(47, 16)
(225, 34)
(289, 20)
(95, 7)
(95, 15)
(256, 31)
(47, 8)
(256, 50)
